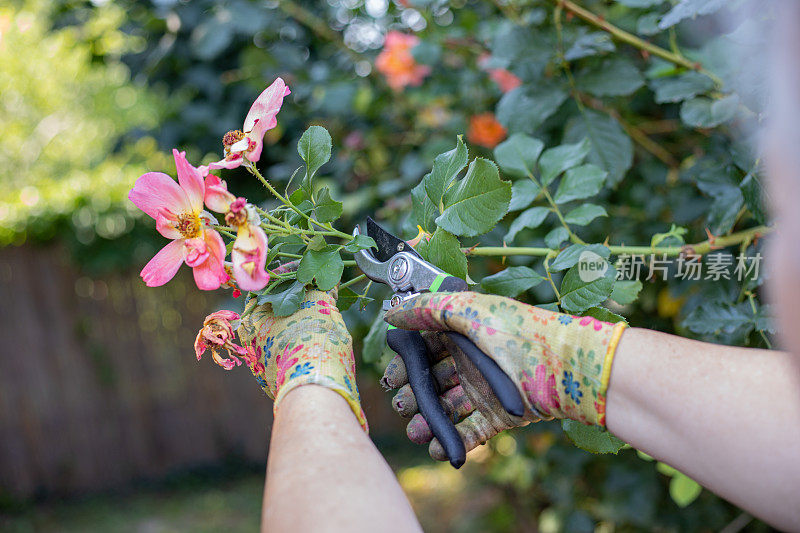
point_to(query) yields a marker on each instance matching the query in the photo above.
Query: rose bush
(617, 128)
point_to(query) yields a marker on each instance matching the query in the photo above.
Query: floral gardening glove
(560, 363)
(312, 346)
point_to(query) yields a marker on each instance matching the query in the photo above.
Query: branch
(700, 248)
(633, 40)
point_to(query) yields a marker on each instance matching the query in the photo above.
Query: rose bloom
(502, 77)
(484, 130)
(397, 64)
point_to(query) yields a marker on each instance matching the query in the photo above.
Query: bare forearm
(727, 417)
(325, 474)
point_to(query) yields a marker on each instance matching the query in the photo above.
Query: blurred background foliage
(95, 93)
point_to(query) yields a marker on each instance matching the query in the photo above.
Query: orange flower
(484, 130)
(502, 77)
(397, 64)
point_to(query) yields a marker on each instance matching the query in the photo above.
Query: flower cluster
(178, 209)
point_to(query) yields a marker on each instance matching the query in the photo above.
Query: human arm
(728, 417)
(323, 473)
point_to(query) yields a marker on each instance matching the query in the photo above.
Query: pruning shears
(396, 264)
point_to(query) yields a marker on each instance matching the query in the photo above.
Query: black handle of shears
(499, 381)
(411, 347)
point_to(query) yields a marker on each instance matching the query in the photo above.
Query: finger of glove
(446, 378)
(474, 430)
(456, 404)
(395, 376)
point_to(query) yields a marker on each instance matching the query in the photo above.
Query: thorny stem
(701, 248)
(636, 134)
(330, 231)
(633, 40)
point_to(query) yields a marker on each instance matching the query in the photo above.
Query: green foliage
(314, 148)
(473, 205)
(591, 438)
(578, 295)
(63, 117)
(285, 299)
(512, 281)
(605, 145)
(579, 183)
(444, 251)
(324, 267)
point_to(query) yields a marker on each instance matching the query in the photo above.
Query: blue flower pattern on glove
(301, 370)
(572, 387)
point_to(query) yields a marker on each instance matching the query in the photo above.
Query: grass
(230, 505)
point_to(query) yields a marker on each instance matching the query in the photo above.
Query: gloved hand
(310, 346)
(560, 363)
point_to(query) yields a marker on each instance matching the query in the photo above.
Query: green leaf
(678, 88)
(511, 281)
(305, 206)
(587, 44)
(626, 292)
(525, 108)
(327, 209)
(315, 149)
(322, 266)
(591, 438)
(523, 193)
(728, 200)
(555, 237)
(647, 24)
(751, 192)
(613, 76)
(347, 297)
(569, 256)
(298, 196)
(290, 243)
(375, 341)
(517, 155)
(674, 237)
(580, 216)
(317, 243)
(556, 160)
(446, 167)
(580, 182)
(444, 251)
(360, 242)
(286, 301)
(530, 218)
(578, 295)
(690, 9)
(716, 317)
(610, 147)
(683, 490)
(423, 211)
(475, 204)
(702, 112)
(601, 313)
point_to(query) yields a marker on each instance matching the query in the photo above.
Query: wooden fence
(99, 384)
